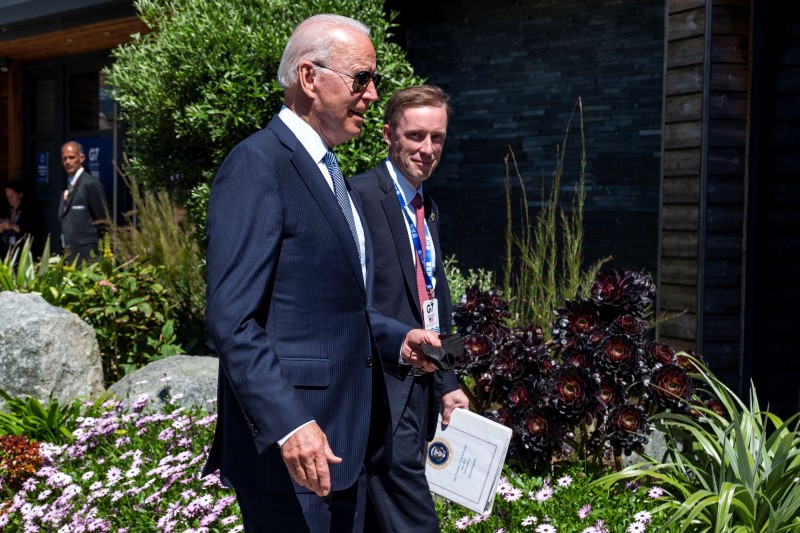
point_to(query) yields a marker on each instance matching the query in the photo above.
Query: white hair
(313, 40)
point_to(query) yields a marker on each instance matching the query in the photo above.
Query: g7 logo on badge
(429, 307)
(439, 453)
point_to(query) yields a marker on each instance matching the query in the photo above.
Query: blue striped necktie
(340, 190)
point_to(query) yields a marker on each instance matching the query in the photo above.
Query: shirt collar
(406, 189)
(74, 179)
(307, 136)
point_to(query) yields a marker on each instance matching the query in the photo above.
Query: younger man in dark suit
(83, 210)
(410, 285)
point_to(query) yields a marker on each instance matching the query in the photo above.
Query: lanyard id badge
(430, 315)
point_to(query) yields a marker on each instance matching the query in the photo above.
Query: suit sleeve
(244, 229)
(98, 210)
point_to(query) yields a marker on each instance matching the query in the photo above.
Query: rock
(656, 448)
(44, 348)
(179, 379)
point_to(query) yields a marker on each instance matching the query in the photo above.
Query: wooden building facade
(52, 90)
(730, 195)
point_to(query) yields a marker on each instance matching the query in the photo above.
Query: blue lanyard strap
(428, 270)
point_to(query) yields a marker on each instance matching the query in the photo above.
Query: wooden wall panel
(680, 217)
(684, 80)
(681, 189)
(685, 52)
(683, 108)
(686, 24)
(682, 162)
(676, 6)
(682, 135)
(679, 270)
(679, 243)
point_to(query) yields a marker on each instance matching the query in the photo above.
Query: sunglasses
(360, 79)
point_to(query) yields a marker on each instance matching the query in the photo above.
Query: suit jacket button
(369, 362)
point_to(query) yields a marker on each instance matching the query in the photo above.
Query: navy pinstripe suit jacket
(290, 317)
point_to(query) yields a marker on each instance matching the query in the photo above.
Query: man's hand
(412, 349)
(453, 400)
(307, 455)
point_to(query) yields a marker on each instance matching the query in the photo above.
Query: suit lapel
(309, 173)
(399, 228)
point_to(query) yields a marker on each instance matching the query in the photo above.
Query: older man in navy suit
(302, 404)
(410, 285)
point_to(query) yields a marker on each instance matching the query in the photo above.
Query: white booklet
(464, 460)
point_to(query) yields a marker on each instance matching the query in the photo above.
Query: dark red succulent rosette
(627, 429)
(628, 291)
(618, 355)
(540, 432)
(572, 392)
(611, 393)
(671, 387)
(574, 321)
(717, 406)
(518, 397)
(478, 352)
(580, 357)
(628, 324)
(508, 365)
(689, 363)
(478, 311)
(659, 353)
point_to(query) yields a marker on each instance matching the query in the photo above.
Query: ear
(308, 78)
(387, 134)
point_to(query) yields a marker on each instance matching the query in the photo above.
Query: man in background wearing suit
(83, 210)
(301, 400)
(410, 285)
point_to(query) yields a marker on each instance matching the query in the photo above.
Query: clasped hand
(411, 350)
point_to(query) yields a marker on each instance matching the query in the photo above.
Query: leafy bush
(205, 79)
(158, 233)
(730, 467)
(127, 470)
(28, 417)
(19, 460)
(20, 272)
(459, 283)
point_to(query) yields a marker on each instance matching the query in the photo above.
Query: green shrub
(20, 272)
(730, 467)
(129, 309)
(205, 79)
(459, 282)
(47, 423)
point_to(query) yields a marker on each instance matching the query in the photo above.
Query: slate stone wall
(514, 71)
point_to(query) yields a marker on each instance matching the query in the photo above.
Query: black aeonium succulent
(618, 355)
(572, 392)
(671, 387)
(627, 291)
(627, 429)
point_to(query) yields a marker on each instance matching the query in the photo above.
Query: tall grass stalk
(539, 274)
(157, 232)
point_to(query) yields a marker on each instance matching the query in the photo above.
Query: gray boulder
(179, 379)
(44, 348)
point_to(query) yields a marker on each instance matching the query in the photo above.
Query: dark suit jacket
(395, 292)
(290, 317)
(84, 215)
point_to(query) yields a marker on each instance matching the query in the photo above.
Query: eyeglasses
(360, 79)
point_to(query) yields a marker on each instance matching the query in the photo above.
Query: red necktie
(422, 290)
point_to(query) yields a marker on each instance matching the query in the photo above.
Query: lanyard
(428, 270)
